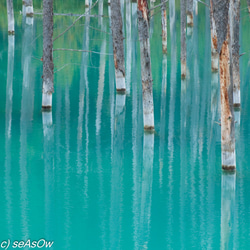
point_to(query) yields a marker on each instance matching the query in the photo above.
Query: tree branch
(80, 50)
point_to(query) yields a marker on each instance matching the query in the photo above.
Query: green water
(92, 179)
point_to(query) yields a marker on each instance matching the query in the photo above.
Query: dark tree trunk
(11, 21)
(146, 75)
(118, 48)
(183, 38)
(164, 26)
(221, 16)
(48, 66)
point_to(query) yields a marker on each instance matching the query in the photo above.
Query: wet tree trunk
(214, 53)
(48, 66)
(164, 26)
(146, 75)
(118, 48)
(11, 21)
(28, 8)
(235, 32)
(221, 16)
(190, 10)
(183, 39)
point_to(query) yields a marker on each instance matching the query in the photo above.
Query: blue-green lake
(91, 178)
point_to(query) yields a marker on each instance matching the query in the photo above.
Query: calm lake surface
(91, 179)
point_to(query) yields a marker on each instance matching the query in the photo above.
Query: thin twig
(86, 13)
(159, 5)
(80, 50)
(203, 3)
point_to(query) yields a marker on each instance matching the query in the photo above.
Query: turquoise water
(92, 179)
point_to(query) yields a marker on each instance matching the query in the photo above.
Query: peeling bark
(234, 31)
(118, 48)
(164, 26)
(183, 39)
(190, 7)
(146, 75)
(11, 20)
(214, 53)
(227, 113)
(48, 66)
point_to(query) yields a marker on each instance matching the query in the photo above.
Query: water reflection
(227, 210)
(8, 136)
(117, 173)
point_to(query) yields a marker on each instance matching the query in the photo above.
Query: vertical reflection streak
(8, 126)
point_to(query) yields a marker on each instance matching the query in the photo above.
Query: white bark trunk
(47, 100)
(11, 21)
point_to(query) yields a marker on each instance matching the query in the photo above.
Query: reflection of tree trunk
(48, 135)
(116, 178)
(100, 87)
(100, 12)
(227, 209)
(118, 48)
(48, 66)
(183, 38)
(11, 21)
(164, 26)
(146, 74)
(8, 124)
(163, 116)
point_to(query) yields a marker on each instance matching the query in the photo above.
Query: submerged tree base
(228, 160)
(183, 70)
(120, 84)
(149, 128)
(11, 32)
(47, 101)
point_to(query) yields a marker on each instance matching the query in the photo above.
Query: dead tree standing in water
(28, 8)
(235, 33)
(214, 53)
(118, 48)
(190, 10)
(164, 26)
(183, 39)
(221, 17)
(11, 21)
(48, 66)
(146, 75)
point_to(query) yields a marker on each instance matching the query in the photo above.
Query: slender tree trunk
(164, 26)
(146, 75)
(183, 39)
(11, 21)
(190, 10)
(48, 66)
(28, 8)
(118, 47)
(235, 32)
(221, 16)
(214, 53)
(86, 3)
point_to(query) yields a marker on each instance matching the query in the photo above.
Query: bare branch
(86, 13)
(203, 3)
(159, 5)
(79, 50)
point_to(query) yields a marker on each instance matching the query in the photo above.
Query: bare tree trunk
(214, 53)
(164, 26)
(183, 39)
(28, 8)
(190, 10)
(221, 16)
(146, 75)
(48, 66)
(235, 31)
(118, 47)
(86, 3)
(11, 21)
